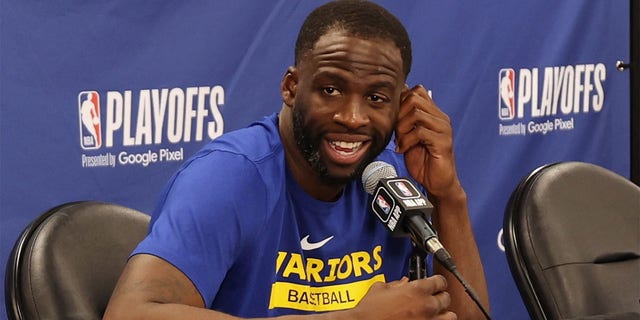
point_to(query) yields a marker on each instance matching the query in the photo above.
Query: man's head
(342, 97)
(358, 18)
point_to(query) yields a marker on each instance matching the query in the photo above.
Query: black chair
(572, 240)
(67, 261)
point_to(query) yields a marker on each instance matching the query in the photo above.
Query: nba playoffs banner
(104, 100)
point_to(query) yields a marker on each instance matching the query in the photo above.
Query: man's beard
(309, 146)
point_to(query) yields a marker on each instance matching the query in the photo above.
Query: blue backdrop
(103, 100)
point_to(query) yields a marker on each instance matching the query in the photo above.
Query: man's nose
(353, 114)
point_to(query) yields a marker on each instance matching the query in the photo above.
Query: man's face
(346, 103)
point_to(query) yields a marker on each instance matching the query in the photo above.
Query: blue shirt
(254, 244)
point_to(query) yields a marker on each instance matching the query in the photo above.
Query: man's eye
(377, 98)
(330, 91)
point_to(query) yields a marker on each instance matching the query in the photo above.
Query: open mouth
(346, 152)
(345, 148)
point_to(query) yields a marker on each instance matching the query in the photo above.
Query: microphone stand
(417, 264)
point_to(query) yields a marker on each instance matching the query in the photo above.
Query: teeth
(346, 145)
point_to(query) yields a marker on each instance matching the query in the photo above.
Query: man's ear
(289, 85)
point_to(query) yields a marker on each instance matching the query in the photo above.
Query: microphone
(403, 209)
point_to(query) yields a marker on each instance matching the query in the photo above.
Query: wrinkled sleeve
(208, 210)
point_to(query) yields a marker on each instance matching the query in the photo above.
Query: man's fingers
(418, 111)
(398, 282)
(419, 90)
(431, 285)
(448, 315)
(436, 298)
(418, 97)
(437, 142)
(442, 300)
(439, 283)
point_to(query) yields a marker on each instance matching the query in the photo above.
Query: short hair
(358, 18)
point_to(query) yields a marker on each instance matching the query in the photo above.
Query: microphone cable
(446, 260)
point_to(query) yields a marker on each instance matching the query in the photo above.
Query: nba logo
(403, 188)
(506, 102)
(89, 119)
(382, 203)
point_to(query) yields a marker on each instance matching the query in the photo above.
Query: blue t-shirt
(254, 244)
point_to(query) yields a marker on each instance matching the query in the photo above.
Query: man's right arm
(151, 288)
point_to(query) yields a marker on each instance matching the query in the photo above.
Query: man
(272, 220)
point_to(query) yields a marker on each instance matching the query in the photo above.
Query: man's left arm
(425, 136)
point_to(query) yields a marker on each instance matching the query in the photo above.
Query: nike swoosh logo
(306, 245)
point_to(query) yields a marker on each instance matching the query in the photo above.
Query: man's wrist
(454, 197)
